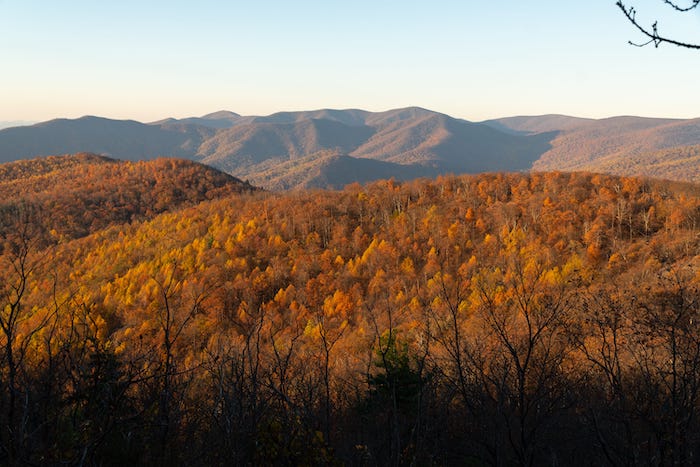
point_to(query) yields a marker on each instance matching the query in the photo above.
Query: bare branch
(653, 33)
(675, 6)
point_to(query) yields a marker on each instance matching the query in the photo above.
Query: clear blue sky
(474, 59)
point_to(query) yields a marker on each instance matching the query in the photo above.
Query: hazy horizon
(474, 61)
(15, 123)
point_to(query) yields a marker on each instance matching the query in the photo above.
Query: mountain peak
(216, 120)
(221, 114)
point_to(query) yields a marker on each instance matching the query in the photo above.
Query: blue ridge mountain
(329, 147)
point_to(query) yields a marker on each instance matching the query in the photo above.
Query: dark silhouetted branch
(677, 7)
(653, 33)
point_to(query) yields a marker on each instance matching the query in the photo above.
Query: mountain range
(330, 148)
(161, 312)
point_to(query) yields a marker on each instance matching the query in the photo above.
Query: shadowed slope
(292, 149)
(257, 142)
(412, 137)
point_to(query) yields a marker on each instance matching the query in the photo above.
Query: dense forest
(498, 319)
(84, 193)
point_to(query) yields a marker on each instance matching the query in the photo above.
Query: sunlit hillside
(66, 197)
(498, 318)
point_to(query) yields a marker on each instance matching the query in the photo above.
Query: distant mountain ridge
(329, 147)
(121, 139)
(217, 120)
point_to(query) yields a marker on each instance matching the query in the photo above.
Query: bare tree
(19, 261)
(177, 308)
(652, 32)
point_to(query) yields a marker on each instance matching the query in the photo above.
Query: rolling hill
(628, 146)
(416, 141)
(655, 147)
(67, 197)
(327, 148)
(217, 120)
(410, 142)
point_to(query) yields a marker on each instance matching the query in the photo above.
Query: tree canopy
(505, 319)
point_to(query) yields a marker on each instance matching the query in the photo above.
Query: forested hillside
(66, 197)
(524, 319)
(629, 146)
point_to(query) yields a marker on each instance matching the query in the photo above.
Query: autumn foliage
(81, 194)
(498, 319)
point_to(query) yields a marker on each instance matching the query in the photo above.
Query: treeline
(530, 319)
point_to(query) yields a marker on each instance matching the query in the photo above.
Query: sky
(151, 59)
